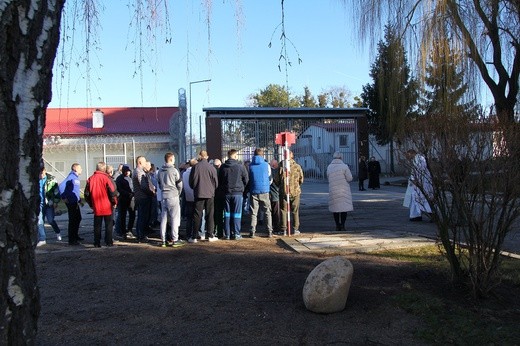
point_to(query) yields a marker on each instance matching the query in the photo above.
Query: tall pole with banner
(286, 139)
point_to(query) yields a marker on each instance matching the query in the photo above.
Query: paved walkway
(379, 221)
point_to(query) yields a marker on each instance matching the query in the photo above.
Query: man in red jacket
(101, 195)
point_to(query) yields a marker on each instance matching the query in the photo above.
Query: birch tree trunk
(29, 36)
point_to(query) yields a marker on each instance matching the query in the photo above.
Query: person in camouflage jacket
(295, 182)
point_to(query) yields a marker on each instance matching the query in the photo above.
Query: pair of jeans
(117, 223)
(219, 205)
(232, 215)
(261, 201)
(201, 205)
(109, 226)
(123, 208)
(295, 210)
(48, 212)
(144, 206)
(171, 208)
(41, 227)
(189, 209)
(276, 215)
(74, 221)
(154, 211)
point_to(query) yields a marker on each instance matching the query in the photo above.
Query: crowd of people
(210, 195)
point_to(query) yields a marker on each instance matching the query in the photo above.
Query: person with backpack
(49, 199)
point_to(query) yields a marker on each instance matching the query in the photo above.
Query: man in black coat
(362, 173)
(124, 186)
(374, 169)
(232, 179)
(204, 181)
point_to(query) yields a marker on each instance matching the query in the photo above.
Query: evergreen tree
(335, 97)
(358, 102)
(392, 96)
(445, 90)
(322, 100)
(308, 100)
(274, 95)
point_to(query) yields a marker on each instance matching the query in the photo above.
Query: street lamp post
(191, 119)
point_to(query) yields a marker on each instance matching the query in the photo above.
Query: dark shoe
(97, 245)
(74, 243)
(338, 228)
(109, 244)
(80, 239)
(143, 240)
(251, 234)
(415, 219)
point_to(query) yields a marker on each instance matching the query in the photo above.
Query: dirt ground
(246, 292)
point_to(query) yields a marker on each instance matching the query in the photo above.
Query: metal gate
(316, 141)
(319, 133)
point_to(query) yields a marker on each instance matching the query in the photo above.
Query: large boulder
(326, 288)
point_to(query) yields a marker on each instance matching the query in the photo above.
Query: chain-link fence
(60, 152)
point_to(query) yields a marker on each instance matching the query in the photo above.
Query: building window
(343, 141)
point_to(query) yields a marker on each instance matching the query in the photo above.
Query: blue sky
(236, 59)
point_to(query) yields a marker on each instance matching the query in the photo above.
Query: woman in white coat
(340, 196)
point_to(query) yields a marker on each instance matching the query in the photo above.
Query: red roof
(78, 121)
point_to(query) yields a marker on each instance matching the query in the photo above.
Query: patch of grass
(425, 255)
(510, 270)
(450, 323)
(447, 318)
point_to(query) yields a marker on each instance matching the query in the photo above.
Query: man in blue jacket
(232, 180)
(259, 182)
(69, 189)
